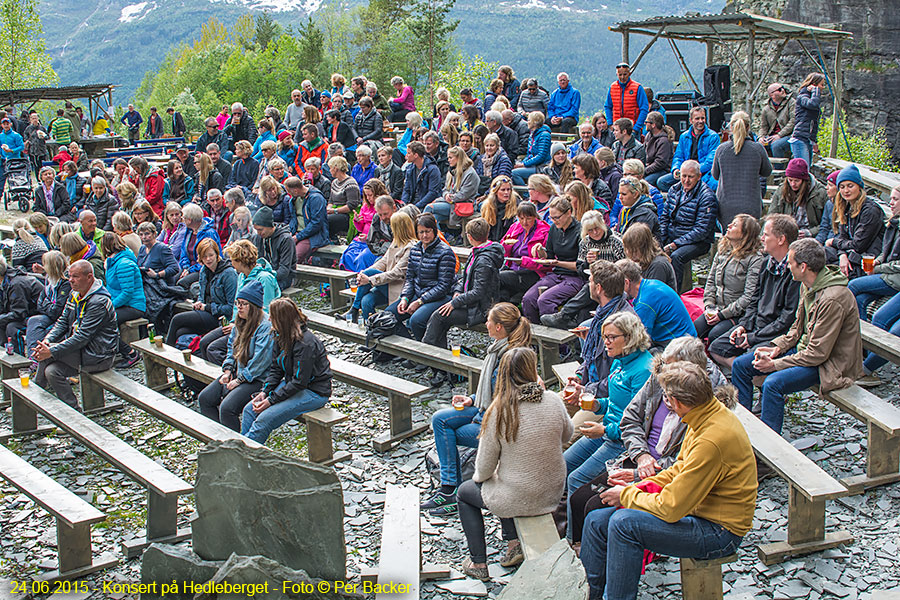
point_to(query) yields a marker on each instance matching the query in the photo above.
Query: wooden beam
(683, 64)
(838, 93)
(652, 41)
(710, 53)
(769, 66)
(731, 51)
(625, 41)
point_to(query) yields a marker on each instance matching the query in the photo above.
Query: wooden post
(838, 92)
(751, 51)
(625, 45)
(710, 53)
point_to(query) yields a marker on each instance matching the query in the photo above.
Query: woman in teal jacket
(538, 153)
(626, 343)
(125, 285)
(246, 364)
(266, 132)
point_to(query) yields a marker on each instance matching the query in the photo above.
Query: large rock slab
(162, 563)
(252, 501)
(264, 578)
(556, 574)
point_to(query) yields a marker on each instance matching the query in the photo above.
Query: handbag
(464, 209)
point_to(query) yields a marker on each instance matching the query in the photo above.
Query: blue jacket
(806, 115)
(217, 290)
(642, 103)
(564, 103)
(189, 260)
(257, 145)
(189, 188)
(283, 212)
(160, 259)
(511, 90)
(123, 280)
(132, 119)
(14, 141)
(260, 353)
(662, 312)
(689, 217)
(362, 175)
(627, 375)
(265, 275)
(502, 165)
(538, 147)
(575, 149)
(315, 219)
(244, 172)
(706, 152)
(654, 194)
(422, 186)
(405, 139)
(430, 273)
(288, 155)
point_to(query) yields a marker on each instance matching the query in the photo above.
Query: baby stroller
(18, 183)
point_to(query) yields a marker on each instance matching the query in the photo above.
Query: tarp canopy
(71, 92)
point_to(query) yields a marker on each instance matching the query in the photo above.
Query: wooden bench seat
(882, 421)
(9, 369)
(400, 558)
(808, 489)
(74, 517)
(133, 330)
(163, 486)
(335, 278)
(536, 534)
(883, 343)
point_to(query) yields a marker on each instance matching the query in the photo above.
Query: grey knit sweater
(525, 478)
(738, 175)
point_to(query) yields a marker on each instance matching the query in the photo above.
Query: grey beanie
(264, 218)
(556, 147)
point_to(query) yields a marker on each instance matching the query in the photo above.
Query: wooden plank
(375, 381)
(880, 180)
(565, 370)
(790, 463)
(135, 464)
(400, 558)
(46, 492)
(325, 416)
(775, 552)
(321, 273)
(536, 534)
(867, 407)
(881, 342)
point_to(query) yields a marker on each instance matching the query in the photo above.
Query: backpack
(466, 465)
(380, 325)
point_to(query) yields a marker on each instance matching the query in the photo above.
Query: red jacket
(320, 152)
(154, 184)
(624, 101)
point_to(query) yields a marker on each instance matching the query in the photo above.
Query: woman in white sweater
(519, 468)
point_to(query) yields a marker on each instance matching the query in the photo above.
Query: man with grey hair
(84, 338)
(563, 107)
(219, 161)
(688, 222)
(240, 126)
(437, 148)
(823, 347)
(212, 135)
(519, 125)
(380, 236)
(509, 140)
(293, 114)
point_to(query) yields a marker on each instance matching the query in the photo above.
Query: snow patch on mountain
(306, 6)
(136, 11)
(542, 5)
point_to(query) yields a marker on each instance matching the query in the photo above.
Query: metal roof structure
(739, 32)
(71, 92)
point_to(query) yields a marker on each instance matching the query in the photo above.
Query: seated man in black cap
(275, 244)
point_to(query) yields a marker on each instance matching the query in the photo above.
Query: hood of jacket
(97, 288)
(262, 265)
(544, 127)
(492, 252)
(828, 277)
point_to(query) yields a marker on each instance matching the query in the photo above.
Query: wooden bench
(882, 421)
(74, 517)
(400, 557)
(808, 489)
(883, 343)
(702, 579)
(536, 534)
(163, 486)
(131, 331)
(335, 278)
(9, 369)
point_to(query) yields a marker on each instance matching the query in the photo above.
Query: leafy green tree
(187, 105)
(24, 61)
(466, 72)
(872, 150)
(338, 24)
(432, 30)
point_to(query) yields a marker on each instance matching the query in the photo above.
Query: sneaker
(513, 556)
(869, 381)
(129, 361)
(470, 570)
(437, 379)
(558, 320)
(444, 511)
(439, 499)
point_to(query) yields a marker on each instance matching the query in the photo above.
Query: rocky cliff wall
(871, 62)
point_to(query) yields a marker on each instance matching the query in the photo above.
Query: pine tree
(24, 61)
(266, 30)
(432, 29)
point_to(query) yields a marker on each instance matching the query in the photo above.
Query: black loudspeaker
(716, 84)
(678, 106)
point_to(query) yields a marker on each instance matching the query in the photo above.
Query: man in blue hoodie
(422, 184)
(562, 110)
(11, 146)
(85, 338)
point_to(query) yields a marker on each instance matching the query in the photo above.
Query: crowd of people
(596, 236)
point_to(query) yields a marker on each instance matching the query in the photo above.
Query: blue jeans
(441, 210)
(652, 178)
(418, 322)
(776, 386)
(454, 428)
(612, 547)
(585, 459)
(369, 296)
(258, 427)
(520, 176)
(802, 149)
(866, 289)
(888, 318)
(781, 148)
(35, 330)
(665, 182)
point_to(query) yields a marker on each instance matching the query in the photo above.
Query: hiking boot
(129, 361)
(869, 381)
(558, 320)
(470, 570)
(763, 471)
(513, 556)
(437, 379)
(439, 499)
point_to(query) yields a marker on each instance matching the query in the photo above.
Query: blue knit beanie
(850, 173)
(252, 293)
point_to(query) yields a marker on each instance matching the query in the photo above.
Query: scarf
(176, 189)
(484, 392)
(487, 163)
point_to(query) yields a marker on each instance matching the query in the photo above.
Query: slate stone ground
(833, 439)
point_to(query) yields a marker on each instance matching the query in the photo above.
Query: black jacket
(479, 282)
(280, 251)
(861, 235)
(104, 208)
(53, 303)
(220, 138)
(178, 127)
(88, 326)
(519, 124)
(245, 130)
(643, 211)
(509, 141)
(370, 127)
(392, 178)
(19, 295)
(440, 159)
(344, 134)
(59, 197)
(305, 366)
(379, 237)
(772, 310)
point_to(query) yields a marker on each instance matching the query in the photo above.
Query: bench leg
(74, 551)
(91, 395)
(548, 355)
(320, 445)
(473, 382)
(806, 531)
(154, 372)
(401, 424)
(24, 418)
(7, 373)
(162, 525)
(334, 290)
(882, 461)
(700, 583)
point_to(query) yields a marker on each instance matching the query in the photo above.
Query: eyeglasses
(611, 337)
(241, 303)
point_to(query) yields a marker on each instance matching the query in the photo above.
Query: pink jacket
(524, 244)
(363, 220)
(406, 99)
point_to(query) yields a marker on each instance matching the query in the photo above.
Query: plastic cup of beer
(24, 377)
(587, 401)
(187, 355)
(456, 350)
(612, 465)
(868, 263)
(353, 285)
(458, 404)
(568, 392)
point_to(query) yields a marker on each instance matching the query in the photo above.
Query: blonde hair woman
(499, 208)
(858, 223)
(738, 165)
(461, 186)
(52, 300)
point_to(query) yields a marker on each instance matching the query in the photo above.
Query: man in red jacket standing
(626, 98)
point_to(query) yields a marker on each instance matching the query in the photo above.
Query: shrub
(872, 150)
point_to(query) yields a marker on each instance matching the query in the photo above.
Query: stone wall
(871, 62)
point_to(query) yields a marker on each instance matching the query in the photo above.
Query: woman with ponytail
(738, 165)
(460, 425)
